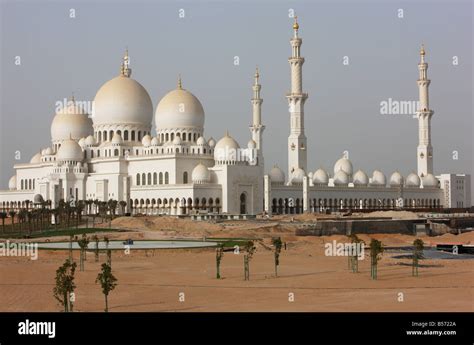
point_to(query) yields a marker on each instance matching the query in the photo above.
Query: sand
(153, 281)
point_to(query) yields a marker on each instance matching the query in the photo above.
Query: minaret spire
(125, 69)
(256, 129)
(424, 114)
(296, 99)
(180, 84)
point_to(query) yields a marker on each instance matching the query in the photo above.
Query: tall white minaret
(424, 114)
(296, 99)
(257, 128)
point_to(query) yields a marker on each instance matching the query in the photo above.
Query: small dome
(12, 183)
(36, 158)
(343, 164)
(201, 174)
(69, 122)
(360, 178)
(211, 142)
(429, 181)
(117, 139)
(70, 151)
(154, 141)
(321, 177)
(251, 144)
(177, 140)
(297, 176)
(378, 178)
(201, 141)
(413, 180)
(396, 179)
(146, 140)
(90, 141)
(48, 151)
(38, 199)
(277, 175)
(226, 149)
(179, 108)
(341, 178)
(82, 142)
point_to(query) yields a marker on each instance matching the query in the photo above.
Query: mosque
(112, 154)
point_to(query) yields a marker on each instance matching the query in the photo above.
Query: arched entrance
(243, 203)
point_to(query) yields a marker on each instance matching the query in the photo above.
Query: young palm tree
(376, 250)
(219, 255)
(249, 251)
(278, 244)
(107, 281)
(83, 243)
(418, 246)
(65, 284)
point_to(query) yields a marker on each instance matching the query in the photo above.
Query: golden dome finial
(257, 74)
(180, 84)
(125, 69)
(422, 50)
(296, 26)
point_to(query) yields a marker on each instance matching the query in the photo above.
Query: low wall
(347, 227)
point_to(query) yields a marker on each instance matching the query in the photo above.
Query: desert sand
(308, 280)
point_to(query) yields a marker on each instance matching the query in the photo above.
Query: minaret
(424, 114)
(296, 99)
(257, 128)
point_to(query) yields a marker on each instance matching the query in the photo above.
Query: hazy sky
(61, 55)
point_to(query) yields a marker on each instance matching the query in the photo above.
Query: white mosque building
(111, 154)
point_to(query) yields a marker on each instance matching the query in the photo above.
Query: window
(155, 178)
(105, 135)
(138, 179)
(133, 135)
(125, 135)
(167, 180)
(149, 178)
(143, 179)
(161, 178)
(185, 177)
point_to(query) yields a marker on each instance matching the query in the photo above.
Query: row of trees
(376, 251)
(43, 216)
(249, 250)
(65, 285)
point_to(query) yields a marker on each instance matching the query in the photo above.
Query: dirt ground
(184, 279)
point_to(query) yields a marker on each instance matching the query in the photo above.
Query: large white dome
(70, 151)
(277, 175)
(179, 109)
(320, 177)
(343, 164)
(72, 122)
(122, 100)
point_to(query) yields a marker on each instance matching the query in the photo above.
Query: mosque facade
(111, 154)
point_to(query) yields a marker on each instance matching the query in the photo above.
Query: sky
(380, 40)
